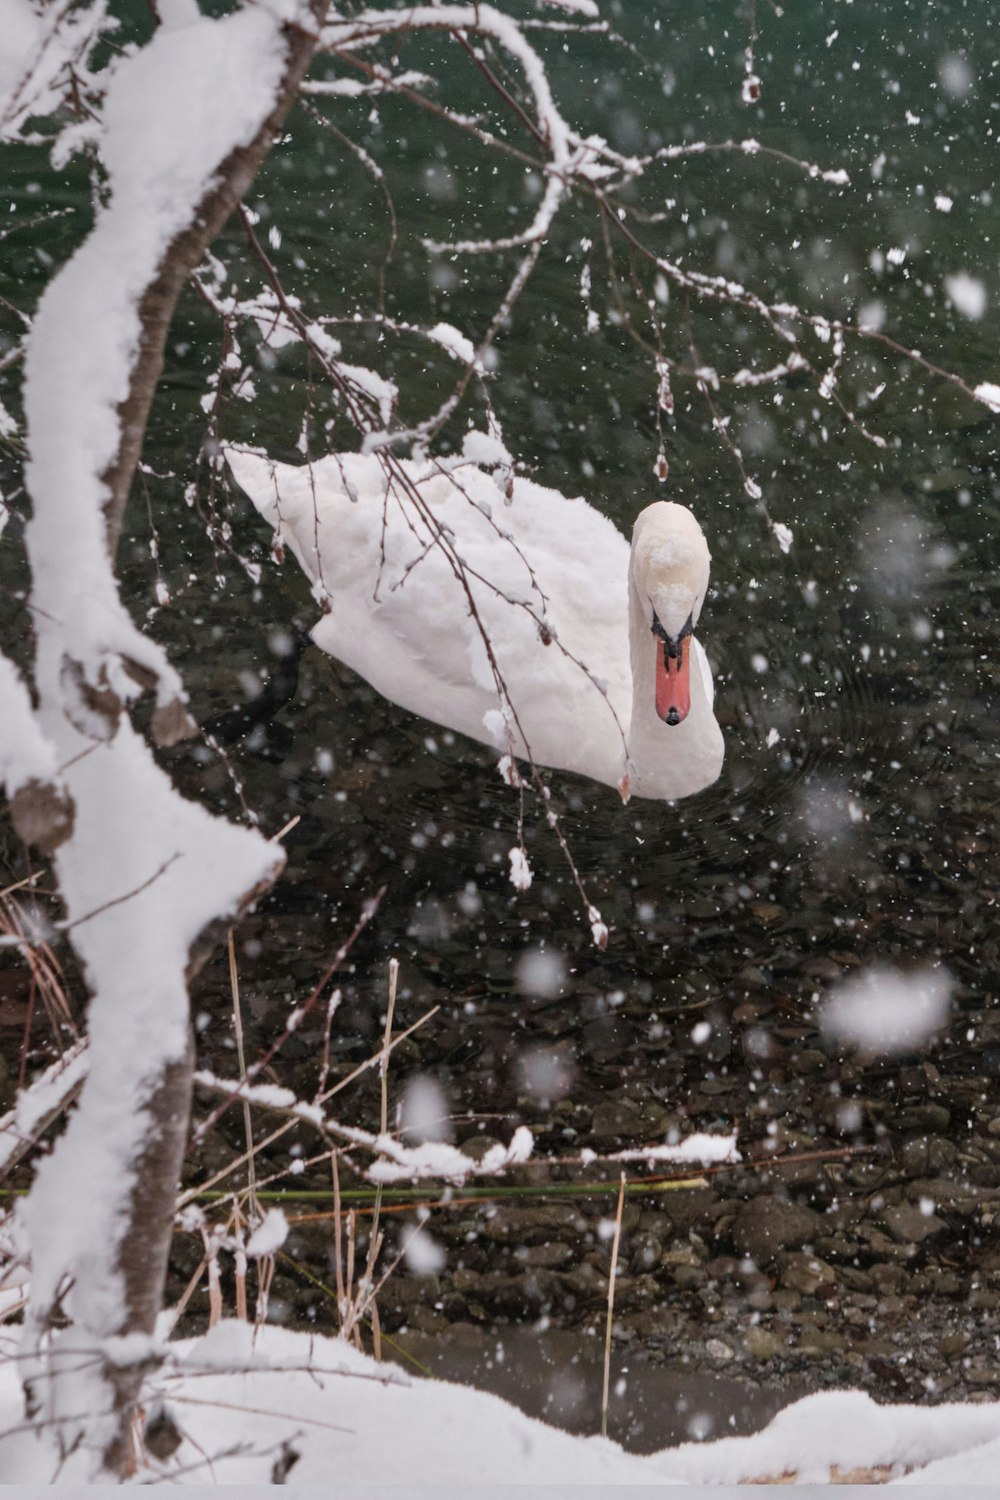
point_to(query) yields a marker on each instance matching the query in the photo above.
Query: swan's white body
(400, 616)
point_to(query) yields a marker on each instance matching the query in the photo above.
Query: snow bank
(240, 1403)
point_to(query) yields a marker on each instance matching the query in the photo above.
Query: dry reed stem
(356, 1294)
(338, 1247)
(265, 1277)
(177, 1311)
(376, 1057)
(349, 1262)
(240, 1267)
(287, 828)
(367, 913)
(366, 1290)
(332, 1006)
(192, 1193)
(214, 1282)
(136, 1458)
(207, 1235)
(19, 885)
(383, 1066)
(377, 1286)
(45, 976)
(14, 1146)
(376, 1332)
(611, 1307)
(234, 985)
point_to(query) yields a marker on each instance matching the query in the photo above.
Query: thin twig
(612, 1272)
(234, 985)
(193, 1194)
(383, 1067)
(368, 911)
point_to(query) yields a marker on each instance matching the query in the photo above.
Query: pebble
(927, 1154)
(647, 1252)
(888, 1278)
(819, 1344)
(524, 1226)
(879, 1243)
(689, 1277)
(909, 1225)
(550, 1255)
(764, 1343)
(805, 1273)
(624, 1119)
(930, 1117)
(766, 1225)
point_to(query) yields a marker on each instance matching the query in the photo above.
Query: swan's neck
(665, 760)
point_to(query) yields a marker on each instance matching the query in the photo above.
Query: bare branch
(183, 255)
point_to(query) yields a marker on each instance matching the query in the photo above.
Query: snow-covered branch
(186, 121)
(548, 126)
(44, 64)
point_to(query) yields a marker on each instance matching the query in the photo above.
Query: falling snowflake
(967, 294)
(888, 1011)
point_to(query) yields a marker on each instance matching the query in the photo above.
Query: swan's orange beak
(673, 680)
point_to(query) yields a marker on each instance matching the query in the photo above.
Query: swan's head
(670, 564)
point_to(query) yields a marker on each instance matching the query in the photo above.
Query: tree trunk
(145, 1247)
(156, 1090)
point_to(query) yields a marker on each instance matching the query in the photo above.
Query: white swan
(592, 640)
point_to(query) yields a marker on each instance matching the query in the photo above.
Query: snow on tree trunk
(188, 119)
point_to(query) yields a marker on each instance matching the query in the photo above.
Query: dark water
(867, 832)
(869, 648)
(558, 1376)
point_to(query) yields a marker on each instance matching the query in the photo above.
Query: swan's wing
(382, 553)
(705, 670)
(384, 557)
(259, 477)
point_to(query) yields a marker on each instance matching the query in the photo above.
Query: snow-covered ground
(244, 1409)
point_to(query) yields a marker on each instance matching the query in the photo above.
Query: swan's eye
(672, 643)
